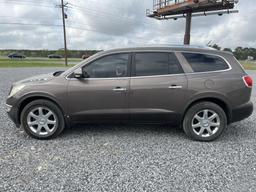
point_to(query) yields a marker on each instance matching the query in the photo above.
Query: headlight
(16, 89)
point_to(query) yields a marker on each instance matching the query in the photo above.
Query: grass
(45, 62)
(35, 62)
(249, 65)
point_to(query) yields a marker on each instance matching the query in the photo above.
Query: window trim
(178, 54)
(206, 72)
(133, 65)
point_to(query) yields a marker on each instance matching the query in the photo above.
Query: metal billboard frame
(176, 9)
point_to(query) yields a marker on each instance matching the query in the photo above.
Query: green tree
(215, 46)
(228, 50)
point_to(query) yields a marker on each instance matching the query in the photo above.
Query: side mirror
(78, 73)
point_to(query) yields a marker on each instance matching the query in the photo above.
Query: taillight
(248, 81)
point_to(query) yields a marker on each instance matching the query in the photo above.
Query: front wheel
(42, 119)
(204, 121)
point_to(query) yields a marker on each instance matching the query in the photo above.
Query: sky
(106, 24)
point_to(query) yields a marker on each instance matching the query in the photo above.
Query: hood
(37, 79)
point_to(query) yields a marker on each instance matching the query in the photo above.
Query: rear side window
(205, 63)
(147, 64)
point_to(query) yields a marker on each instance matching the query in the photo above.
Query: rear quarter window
(205, 63)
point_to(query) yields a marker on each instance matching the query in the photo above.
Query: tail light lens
(248, 81)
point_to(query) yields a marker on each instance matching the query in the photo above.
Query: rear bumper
(242, 112)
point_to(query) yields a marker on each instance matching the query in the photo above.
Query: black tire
(195, 109)
(58, 115)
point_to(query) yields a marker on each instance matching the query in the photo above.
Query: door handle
(175, 87)
(119, 89)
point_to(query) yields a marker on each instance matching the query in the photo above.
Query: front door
(103, 95)
(157, 88)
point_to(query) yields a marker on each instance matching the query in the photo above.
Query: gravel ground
(124, 157)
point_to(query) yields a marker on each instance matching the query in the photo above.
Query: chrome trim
(175, 87)
(9, 106)
(90, 79)
(120, 89)
(155, 76)
(123, 78)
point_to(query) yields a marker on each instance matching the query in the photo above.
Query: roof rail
(174, 46)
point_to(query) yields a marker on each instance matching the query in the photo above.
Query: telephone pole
(188, 28)
(64, 31)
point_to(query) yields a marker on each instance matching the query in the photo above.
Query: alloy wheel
(206, 123)
(42, 121)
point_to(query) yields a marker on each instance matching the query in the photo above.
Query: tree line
(45, 53)
(241, 53)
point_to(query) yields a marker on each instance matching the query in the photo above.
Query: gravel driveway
(124, 157)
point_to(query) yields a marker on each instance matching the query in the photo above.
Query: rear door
(157, 87)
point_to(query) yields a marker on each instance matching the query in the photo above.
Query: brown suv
(200, 88)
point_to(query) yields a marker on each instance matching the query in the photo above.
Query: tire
(204, 121)
(37, 124)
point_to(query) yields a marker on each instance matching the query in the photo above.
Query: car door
(103, 95)
(157, 88)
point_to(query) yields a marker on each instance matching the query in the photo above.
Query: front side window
(205, 63)
(110, 66)
(147, 64)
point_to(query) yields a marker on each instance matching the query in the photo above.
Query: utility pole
(188, 29)
(64, 31)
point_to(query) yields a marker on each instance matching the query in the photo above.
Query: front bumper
(242, 112)
(13, 114)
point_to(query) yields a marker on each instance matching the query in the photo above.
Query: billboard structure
(175, 9)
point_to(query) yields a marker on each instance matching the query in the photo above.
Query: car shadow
(123, 129)
(235, 132)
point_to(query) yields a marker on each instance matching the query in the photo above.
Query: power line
(28, 1)
(39, 5)
(49, 25)
(102, 14)
(27, 24)
(142, 40)
(113, 5)
(96, 11)
(26, 18)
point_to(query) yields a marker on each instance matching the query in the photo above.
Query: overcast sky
(104, 24)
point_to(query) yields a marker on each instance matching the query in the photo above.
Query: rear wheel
(204, 121)
(42, 119)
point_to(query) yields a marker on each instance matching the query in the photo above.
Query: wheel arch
(26, 100)
(217, 100)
